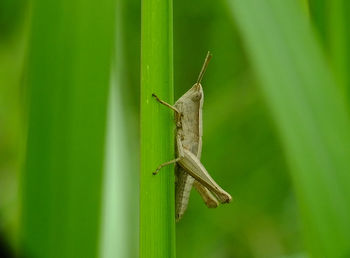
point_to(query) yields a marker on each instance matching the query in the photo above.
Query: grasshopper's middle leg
(181, 155)
(165, 164)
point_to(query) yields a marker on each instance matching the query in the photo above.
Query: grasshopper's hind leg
(206, 195)
(194, 167)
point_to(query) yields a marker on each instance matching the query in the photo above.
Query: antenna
(204, 67)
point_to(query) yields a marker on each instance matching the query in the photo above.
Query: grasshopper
(189, 170)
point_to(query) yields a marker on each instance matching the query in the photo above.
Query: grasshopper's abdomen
(183, 190)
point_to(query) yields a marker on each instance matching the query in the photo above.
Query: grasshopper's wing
(194, 167)
(183, 186)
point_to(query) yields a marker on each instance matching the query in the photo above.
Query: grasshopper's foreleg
(166, 104)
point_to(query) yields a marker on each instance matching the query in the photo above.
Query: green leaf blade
(310, 112)
(68, 79)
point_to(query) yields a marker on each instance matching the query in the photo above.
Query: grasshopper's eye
(197, 96)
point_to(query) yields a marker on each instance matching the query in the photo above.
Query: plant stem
(157, 224)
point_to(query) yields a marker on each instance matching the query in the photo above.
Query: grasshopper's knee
(181, 156)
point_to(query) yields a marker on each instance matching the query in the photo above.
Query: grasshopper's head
(196, 92)
(198, 87)
(193, 95)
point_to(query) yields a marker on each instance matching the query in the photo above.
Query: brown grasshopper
(189, 170)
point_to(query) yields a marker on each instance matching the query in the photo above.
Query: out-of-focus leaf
(69, 71)
(331, 20)
(310, 113)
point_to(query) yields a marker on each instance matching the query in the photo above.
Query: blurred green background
(276, 127)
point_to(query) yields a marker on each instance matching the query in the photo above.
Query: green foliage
(311, 114)
(276, 129)
(332, 22)
(69, 70)
(119, 236)
(157, 224)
